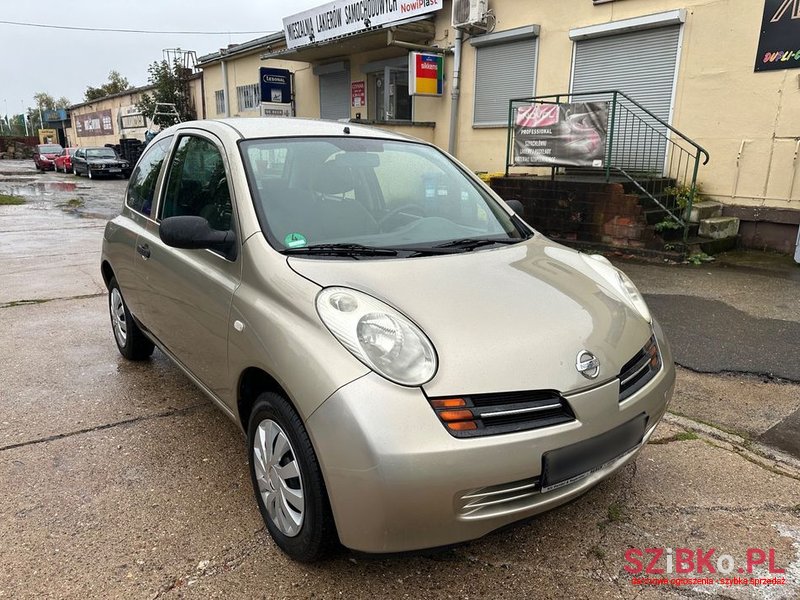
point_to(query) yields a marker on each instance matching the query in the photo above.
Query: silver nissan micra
(413, 364)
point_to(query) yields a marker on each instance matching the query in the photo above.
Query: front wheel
(89, 172)
(287, 480)
(75, 172)
(131, 342)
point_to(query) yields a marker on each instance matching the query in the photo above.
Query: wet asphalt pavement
(122, 480)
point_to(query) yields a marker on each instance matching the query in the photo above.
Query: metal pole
(611, 135)
(456, 92)
(508, 140)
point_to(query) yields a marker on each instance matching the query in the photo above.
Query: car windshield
(358, 194)
(50, 149)
(101, 153)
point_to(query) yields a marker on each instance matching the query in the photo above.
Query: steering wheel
(414, 209)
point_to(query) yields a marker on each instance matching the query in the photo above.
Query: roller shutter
(334, 95)
(503, 71)
(642, 65)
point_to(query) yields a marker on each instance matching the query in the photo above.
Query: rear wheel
(287, 480)
(131, 342)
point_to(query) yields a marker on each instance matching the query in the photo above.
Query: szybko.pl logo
(702, 564)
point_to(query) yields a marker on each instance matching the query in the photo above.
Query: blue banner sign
(276, 85)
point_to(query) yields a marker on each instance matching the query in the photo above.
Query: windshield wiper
(353, 250)
(472, 243)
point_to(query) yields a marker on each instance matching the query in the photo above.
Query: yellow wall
(244, 70)
(719, 101)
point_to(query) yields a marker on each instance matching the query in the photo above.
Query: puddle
(36, 188)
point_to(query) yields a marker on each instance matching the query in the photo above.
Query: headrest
(332, 178)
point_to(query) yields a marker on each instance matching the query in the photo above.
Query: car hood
(506, 319)
(108, 161)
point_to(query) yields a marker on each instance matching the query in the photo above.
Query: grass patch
(615, 513)
(6, 200)
(74, 203)
(685, 436)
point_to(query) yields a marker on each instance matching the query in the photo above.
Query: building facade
(708, 68)
(109, 119)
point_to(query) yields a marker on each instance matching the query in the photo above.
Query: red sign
(358, 94)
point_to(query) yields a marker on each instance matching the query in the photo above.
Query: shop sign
(336, 19)
(95, 123)
(561, 134)
(48, 136)
(54, 116)
(358, 94)
(276, 109)
(779, 43)
(276, 85)
(426, 74)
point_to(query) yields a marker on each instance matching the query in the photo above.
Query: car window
(197, 184)
(369, 192)
(142, 185)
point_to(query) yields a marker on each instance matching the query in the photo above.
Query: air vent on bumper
(639, 370)
(490, 414)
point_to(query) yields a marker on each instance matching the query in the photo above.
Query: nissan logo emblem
(587, 364)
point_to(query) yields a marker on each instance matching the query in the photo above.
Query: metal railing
(661, 162)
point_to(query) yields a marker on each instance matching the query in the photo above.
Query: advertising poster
(96, 123)
(276, 85)
(561, 134)
(779, 42)
(358, 94)
(426, 74)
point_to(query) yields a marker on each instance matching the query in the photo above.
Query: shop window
(505, 68)
(219, 100)
(389, 89)
(248, 97)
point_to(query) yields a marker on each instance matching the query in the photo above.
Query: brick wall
(581, 211)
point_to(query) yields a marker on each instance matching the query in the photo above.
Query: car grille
(490, 414)
(639, 370)
(487, 501)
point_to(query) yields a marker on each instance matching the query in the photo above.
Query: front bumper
(397, 480)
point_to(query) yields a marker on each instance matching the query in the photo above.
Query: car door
(77, 161)
(139, 218)
(189, 292)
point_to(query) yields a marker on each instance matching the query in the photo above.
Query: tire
(131, 342)
(89, 172)
(314, 536)
(75, 172)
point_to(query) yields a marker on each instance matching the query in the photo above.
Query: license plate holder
(572, 463)
(115, 170)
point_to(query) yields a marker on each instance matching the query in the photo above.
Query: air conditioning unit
(468, 12)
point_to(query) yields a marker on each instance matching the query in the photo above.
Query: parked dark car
(63, 161)
(44, 156)
(94, 162)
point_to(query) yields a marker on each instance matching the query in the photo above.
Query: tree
(116, 83)
(171, 87)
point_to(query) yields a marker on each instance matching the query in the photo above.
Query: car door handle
(144, 250)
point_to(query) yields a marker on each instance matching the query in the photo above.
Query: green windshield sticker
(295, 240)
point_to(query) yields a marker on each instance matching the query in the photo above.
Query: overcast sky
(64, 63)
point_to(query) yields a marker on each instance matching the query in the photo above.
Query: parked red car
(45, 154)
(63, 161)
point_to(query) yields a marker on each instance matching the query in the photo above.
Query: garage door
(642, 65)
(334, 95)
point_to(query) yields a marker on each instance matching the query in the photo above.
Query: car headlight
(378, 335)
(619, 282)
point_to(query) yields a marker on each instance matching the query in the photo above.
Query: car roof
(273, 127)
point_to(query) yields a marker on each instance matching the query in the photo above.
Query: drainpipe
(227, 112)
(456, 93)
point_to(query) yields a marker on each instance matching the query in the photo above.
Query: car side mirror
(194, 233)
(517, 207)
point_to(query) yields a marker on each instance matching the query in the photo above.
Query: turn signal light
(456, 415)
(449, 403)
(463, 426)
